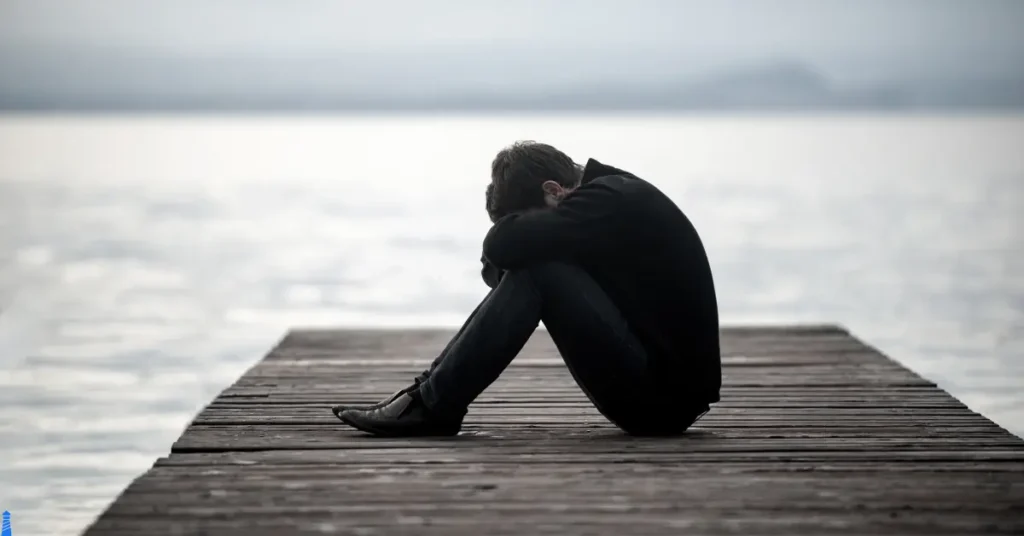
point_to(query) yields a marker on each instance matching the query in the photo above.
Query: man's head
(528, 175)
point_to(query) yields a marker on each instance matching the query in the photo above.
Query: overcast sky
(847, 40)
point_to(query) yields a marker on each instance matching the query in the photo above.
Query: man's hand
(491, 274)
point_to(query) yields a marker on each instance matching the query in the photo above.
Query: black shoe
(342, 407)
(405, 416)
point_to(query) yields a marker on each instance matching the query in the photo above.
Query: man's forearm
(586, 220)
(491, 273)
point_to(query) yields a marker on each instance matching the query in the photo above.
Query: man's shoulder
(625, 183)
(637, 197)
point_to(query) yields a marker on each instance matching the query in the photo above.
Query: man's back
(661, 279)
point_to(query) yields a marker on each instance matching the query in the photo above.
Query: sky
(108, 45)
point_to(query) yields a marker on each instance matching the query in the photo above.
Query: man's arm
(491, 273)
(587, 220)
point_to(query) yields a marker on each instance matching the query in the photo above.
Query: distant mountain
(141, 84)
(781, 85)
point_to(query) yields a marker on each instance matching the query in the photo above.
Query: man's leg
(337, 409)
(603, 355)
(444, 353)
(437, 401)
(492, 336)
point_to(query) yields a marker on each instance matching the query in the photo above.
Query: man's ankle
(434, 410)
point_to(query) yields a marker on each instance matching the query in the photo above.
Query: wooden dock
(817, 433)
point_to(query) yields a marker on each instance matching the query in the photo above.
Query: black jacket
(644, 253)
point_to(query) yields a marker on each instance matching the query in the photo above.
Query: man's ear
(552, 188)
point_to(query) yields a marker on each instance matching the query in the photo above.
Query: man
(620, 279)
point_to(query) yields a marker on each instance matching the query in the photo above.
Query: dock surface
(817, 433)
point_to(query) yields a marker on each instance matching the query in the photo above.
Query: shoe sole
(388, 433)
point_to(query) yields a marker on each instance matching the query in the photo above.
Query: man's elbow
(499, 244)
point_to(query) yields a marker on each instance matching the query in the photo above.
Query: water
(146, 262)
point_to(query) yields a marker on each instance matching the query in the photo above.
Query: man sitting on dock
(619, 277)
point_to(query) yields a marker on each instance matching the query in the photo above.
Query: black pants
(601, 352)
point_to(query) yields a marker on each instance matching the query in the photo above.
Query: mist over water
(146, 262)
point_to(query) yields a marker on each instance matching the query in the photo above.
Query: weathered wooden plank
(817, 432)
(549, 356)
(735, 362)
(567, 521)
(748, 366)
(790, 402)
(551, 359)
(568, 389)
(838, 398)
(220, 438)
(329, 500)
(569, 416)
(785, 376)
(719, 485)
(582, 408)
(476, 433)
(326, 466)
(525, 456)
(318, 416)
(755, 383)
(823, 391)
(426, 343)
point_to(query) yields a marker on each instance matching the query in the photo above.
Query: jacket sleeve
(585, 222)
(490, 273)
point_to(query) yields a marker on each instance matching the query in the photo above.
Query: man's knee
(557, 280)
(547, 270)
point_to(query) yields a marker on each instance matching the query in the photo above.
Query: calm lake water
(145, 262)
